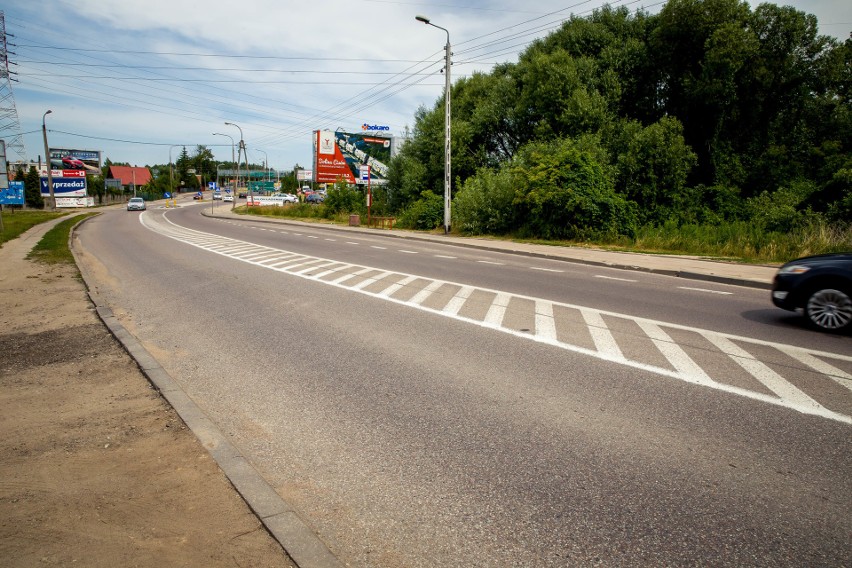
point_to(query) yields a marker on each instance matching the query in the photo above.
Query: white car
(290, 198)
(217, 195)
(136, 204)
(228, 198)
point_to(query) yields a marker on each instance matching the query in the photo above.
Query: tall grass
(741, 241)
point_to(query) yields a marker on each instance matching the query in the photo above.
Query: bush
(565, 192)
(426, 213)
(485, 203)
(343, 199)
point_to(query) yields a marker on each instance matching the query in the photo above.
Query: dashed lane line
(423, 294)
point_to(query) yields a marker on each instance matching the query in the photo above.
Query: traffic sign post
(364, 172)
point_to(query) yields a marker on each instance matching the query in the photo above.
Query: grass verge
(17, 222)
(53, 246)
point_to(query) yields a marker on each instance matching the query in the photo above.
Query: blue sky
(137, 80)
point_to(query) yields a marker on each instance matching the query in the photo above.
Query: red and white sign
(63, 173)
(330, 164)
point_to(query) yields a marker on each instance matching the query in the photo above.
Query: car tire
(829, 309)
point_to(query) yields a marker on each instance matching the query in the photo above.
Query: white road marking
(545, 269)
(606, 348)
(614, 278)
(494, 317)
(377, 247)
(706, 290)
(445, 256)
(407, 251)
(490, 262)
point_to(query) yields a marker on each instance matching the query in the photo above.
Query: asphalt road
(423, 406)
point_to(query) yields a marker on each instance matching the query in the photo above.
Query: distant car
(217, 195)
(72, 163)
(289, 197)
(242, 195)
(136, 204)
(198, 195)
(821, 286)
(314, 198)
(228, 198)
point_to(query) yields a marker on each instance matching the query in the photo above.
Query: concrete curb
(302, 545)
(460, 242)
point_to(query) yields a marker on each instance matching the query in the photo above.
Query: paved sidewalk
(691, 267)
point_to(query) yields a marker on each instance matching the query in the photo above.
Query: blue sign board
(65, 187)
(167, 195)
(14, 195)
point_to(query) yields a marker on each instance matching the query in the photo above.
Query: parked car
(136, 204)
(228, 198)
(314, 198)
(821, 286)
(289, 198)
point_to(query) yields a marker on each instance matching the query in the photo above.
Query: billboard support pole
(52, 198)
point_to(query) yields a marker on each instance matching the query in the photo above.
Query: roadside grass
(53, 247)
(16, 221)
(732, 242)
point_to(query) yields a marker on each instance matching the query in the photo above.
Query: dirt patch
(95, 468)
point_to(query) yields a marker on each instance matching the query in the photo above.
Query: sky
(139, 80)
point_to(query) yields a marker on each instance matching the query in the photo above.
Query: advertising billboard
(339, 155)
(65, 187)
(71, 159)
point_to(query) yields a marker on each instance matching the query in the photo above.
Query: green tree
(32, 189)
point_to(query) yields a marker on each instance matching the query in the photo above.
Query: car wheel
(829, 309)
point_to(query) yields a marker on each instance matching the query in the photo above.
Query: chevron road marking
(449, 298)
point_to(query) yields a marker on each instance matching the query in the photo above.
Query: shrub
(485, 203)
(426, 213)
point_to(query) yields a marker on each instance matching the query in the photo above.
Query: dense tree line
(708, 112)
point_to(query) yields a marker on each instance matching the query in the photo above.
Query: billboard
(71, 159)
(340, 154)
(65, 187)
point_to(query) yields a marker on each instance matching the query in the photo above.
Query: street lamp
(234, 202)
(52, 202)
(447, 137)
(172, 172)
(243, 150)
(265, 165)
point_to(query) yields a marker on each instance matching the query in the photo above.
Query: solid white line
(604, 341)
(458, 300)
(675, 355)
(545, 323)
(770, 379)
(394, 287)
(421, 296)
(494, 317)
(371, 280)
(705, 290)
(614, 278)
(839, 376)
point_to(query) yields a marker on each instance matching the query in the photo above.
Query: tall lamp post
(447, 137)
(243, 150)
(233, 180)
(265, 164)
(172, 171)
(52, 203)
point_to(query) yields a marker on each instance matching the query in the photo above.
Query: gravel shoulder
(95, 467)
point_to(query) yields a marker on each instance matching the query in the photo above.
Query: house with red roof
(130, 176)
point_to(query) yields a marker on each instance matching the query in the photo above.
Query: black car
(821, 286)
